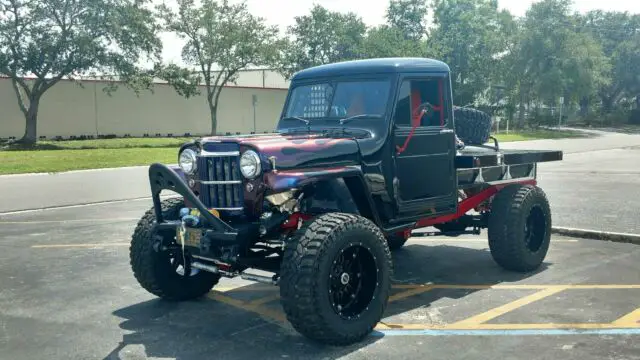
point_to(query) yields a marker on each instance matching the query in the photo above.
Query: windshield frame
(328, 118)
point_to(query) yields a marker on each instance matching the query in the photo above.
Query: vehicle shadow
(206, 328)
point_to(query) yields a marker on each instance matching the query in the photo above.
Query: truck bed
(477, 157)
(478, 165)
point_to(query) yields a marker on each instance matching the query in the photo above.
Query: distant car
(364, 153)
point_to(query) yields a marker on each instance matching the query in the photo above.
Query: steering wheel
(426, 108)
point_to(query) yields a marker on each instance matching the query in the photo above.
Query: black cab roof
(367, 66)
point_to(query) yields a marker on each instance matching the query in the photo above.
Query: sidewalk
(36, 191)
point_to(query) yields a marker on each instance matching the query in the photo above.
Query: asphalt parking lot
(67, 292)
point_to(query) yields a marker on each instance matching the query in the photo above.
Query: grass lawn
(31, 161)
(58, 156)
(121, 143)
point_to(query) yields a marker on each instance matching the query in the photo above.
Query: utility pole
(255, 101)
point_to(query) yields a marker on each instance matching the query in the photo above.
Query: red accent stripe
(415, 102)
(469, 203)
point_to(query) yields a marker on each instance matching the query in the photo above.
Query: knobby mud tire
(306, 278)
(154, 271)
(520, 228)
(472, 126)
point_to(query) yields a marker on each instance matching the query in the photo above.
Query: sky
(282, 12)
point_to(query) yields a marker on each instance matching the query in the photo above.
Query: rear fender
(352, 176)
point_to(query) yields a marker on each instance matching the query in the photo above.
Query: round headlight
(187, 161)
(250, 164)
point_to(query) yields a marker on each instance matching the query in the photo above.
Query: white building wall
(70, 110)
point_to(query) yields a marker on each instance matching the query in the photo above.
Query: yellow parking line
(602, 287)
(65, 221)
(631, 319)
(260, 310)
(455, 326)
(246, 288)
(519, 286)
(78, 245)
(453, 240)
(264, 300)
(425, 287)
(409, 293)
(501, 310)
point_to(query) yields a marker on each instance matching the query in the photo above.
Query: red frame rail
(469, 203)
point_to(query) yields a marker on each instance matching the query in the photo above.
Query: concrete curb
(597, 235)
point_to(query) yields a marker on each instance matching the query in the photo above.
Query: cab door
(425, 181)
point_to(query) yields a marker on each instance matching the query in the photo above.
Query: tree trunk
(31, 122)
(521, 111)
(214, 97)
(214, 119)
(584, 106)
(607, 104)
(638, 101)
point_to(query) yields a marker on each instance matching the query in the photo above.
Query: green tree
(627, 66)
(617, 33)
(469, 36)
(322, 37)
(408, 16)
(505, 82)
(54, 39)
(221, 39)
(585, 70)
(388, 41)
(555, 59)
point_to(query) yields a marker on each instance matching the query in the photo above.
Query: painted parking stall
(443, 289)
(263, 301)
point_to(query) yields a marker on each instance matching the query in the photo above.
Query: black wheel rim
(352, 281)
(535, 228)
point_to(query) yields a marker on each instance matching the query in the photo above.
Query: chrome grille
(220, 180)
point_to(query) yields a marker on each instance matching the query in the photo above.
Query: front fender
(278, 181)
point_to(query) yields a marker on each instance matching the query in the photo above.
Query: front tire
(164, 274)
(336, 278)
(520, 227)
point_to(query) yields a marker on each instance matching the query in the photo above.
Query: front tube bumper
(161, 178)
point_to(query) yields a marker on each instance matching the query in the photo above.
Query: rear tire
(472, 126)
(336, 278)
(159, 272)
(520, 227)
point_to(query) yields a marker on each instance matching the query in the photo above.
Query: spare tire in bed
(473, 126)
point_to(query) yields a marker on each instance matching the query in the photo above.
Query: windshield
(339, 99)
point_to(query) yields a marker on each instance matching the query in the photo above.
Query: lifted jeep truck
(364, 153)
